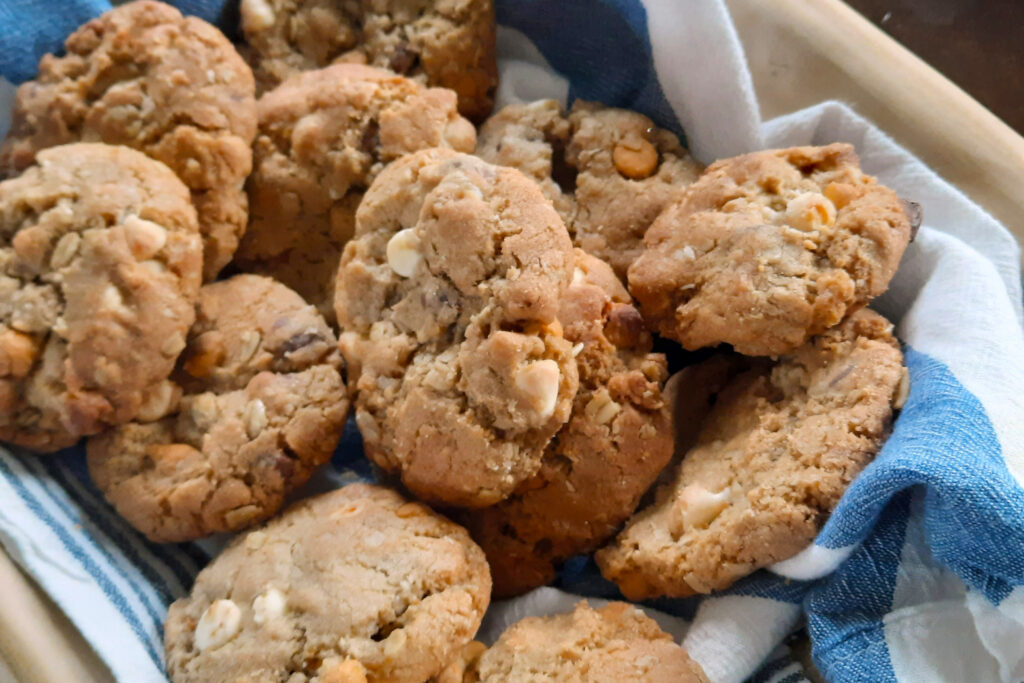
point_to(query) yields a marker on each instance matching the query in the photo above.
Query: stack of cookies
(211, 254)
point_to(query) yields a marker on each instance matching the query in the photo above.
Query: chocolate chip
(625, 327)
(299, 341)
(914, 215)
(404, 59)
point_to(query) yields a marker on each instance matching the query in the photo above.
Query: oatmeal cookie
(449, 44)
(615, 643)
(609, 172)
(173, 87)
(353, 585)
(323, 137)
(597, 467)
(768, 249)
(448, 300)
(776, 453)
(255, 405)
(100, 263)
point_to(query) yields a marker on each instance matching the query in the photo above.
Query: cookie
(609, 172)
(448, 300)
(769, 249)
(615, 643)
(779, 448)
(255, 405)
(323, 137)
(354, 582)
(100, 263)
(608, 454)
(448, 44)
(173, 87)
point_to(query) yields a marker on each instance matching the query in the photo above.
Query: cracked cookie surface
(352, 585)
(617, 642)
(173, 87)
(444, 43)
(773, 458)
(601, 462)
(323, 137)
(256, 404)
(768, 249)
(448, 300)
(609, 172)
(100, 262)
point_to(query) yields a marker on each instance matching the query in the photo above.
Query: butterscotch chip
(768, 249)
(779, 448)
(460, 372)
(609, 172)
(261, 405)
(89, 329)
(449, 44)
(338, 589)
(597, 467)
(615, 643)
(173, 87)
(323, 137)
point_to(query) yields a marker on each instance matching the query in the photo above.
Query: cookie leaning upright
(448, 299)
(769, 249)
(444, 43)
(323, 137)
(100, 262)
(144, 76)
(607, 455)
(776, 453)
(256, 404)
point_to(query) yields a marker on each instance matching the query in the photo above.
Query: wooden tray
(801, 52)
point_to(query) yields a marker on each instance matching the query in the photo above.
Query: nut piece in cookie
(100, 263)
(609, 172)
(324, 136)
(776, 453)
(173, 87)
(256, 404)
(615, 643)
(768, 249)
(448, 300)
(448, 44)
(352, 585)
(597, 467)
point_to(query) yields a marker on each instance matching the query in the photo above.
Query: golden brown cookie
(100, 262)
(324, 136)
(444, 43)
(352, 585)
(768, 249)
(448, 298)
(173, 87)
(615, 643)
(779, 448)
(609, 172)
(256, 404)
(597, 467)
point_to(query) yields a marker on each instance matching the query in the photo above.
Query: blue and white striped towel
(919, 573)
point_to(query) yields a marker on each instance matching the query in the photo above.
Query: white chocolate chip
(685, 254)
(697, 507)
(204, 410)
(403, 252)
(257, 15)
(810, 211)
(249, 341)
(219, 624)
(255, 417)
(578, 276)
(159, 402)
(902, 390)
(601, 408)
(112, 298)
(145, 238)
(539, 381)
(268, 606)
(67, 247)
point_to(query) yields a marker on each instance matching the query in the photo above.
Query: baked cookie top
(323, 137)
(768, 249)
(449, 44)
(607, 455)
(356, 582)
(448, 299)
(779, 448)
(100, 262)
(256, 403)
(615, 643)
(609, 172)
(173, 87)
